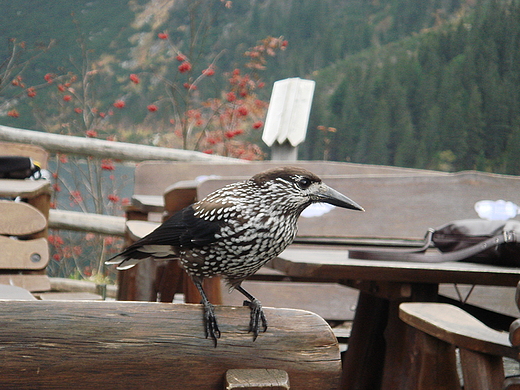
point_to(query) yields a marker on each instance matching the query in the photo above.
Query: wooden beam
(94, 223)
(257, 379)
(121, 345)
(72, 285)
(58, 143)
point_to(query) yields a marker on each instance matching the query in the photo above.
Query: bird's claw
(257, 315)
(210, 323)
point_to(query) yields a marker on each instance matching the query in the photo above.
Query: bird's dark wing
(182, 230)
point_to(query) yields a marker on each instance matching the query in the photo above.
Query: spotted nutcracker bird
(234, 231)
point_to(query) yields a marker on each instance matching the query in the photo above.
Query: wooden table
(380, 353)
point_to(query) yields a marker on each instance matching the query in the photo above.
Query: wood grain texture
(257, 379)
(122, 345)
(20, 219)
(32, 282)
(57, 143)
(23, 255)
(24, 188)
(87, 222)
(326, 264)
(153, 177)
(457, 327)
(481, 371)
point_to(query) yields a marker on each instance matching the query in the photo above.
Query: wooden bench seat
(440, 328)
(122, 345)
(153, 179)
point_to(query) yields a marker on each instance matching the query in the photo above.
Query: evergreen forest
(445, 99)
(417, 83)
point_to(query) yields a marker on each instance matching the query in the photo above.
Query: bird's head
(299, 188)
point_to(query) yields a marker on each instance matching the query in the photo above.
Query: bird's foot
(210, 323)
(257, 315)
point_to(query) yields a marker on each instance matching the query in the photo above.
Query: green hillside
(446, 99)
(419, 83)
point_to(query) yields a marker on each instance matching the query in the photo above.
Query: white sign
(289, 110)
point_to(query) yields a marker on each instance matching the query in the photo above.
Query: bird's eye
(304, 183)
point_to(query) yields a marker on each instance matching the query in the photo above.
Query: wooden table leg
(364, 358)
(413, 361)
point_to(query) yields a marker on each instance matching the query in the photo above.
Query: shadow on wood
(122, 345)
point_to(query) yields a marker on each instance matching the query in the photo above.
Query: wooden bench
(441, 328)
(122, 345)
(25, 251)
(400, 206)
(37, 193)
(153, 179)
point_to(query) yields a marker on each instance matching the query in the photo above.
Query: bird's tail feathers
(122, 262)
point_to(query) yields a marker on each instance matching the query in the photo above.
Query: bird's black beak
(333, 197)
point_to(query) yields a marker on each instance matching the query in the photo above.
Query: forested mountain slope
(420, 83)
(446, 99)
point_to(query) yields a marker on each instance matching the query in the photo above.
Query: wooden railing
(56, 143)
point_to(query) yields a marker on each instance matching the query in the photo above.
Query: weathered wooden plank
(328, 300)
(153, 177)
(457, 327)
(148, 203)
(24, 188)
(399, 206)
(88, 222)
(258, 379)
(68, 296)
(101, 148)
(180, 195)
(72, 285)
(334, 264)
(23, 255)
(30, 282)
(121, 345)
(481, 371)
(20, 219)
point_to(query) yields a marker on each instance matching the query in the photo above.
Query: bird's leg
(210, 321)
(257, 314)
